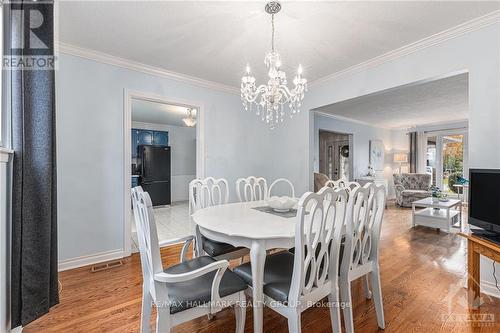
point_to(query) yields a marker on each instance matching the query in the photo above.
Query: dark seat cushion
(278, 272)
(196, 292)
(214, 249)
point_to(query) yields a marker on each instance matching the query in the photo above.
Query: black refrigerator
(153, 163)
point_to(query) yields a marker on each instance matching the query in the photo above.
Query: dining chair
(350, 186)
(251, 189)
(205, 193)
(278, 181)
(343, 183)
(295, 282)
(360, 250)
(334, 183)
(188, 290)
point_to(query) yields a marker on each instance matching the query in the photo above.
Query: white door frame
(128, 95)
(439, 151)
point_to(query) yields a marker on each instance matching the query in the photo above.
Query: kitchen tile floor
(171, 222)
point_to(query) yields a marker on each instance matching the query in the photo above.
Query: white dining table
(239, 224)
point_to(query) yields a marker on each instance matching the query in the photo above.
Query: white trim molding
(128, 95)
(351, 120)
(96, 258)
(489, 288)
(440, 37)
(141, 67)
(438, 126)
(6, 156)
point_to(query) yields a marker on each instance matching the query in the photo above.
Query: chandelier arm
(286, 92)
(255, 94)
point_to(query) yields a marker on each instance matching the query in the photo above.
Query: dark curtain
(34, 220)
(413, 151)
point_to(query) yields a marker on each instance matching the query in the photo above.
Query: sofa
(411, 187)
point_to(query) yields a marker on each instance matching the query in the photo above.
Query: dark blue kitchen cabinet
(140, 137)
(134, 142)
(147, 137)
(160, 138)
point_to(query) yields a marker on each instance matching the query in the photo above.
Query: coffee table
(437, 214)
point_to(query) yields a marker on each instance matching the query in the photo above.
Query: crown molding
(140, 67)
(438, 125)
(351, 120)
(440, 37)
(459, 123)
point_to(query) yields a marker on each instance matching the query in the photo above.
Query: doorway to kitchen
(335, 155)
(163, 147)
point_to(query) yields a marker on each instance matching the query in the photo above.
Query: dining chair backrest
(320, 217)
(207, 192)
(335, 183)
(364, 219)
(135, 209)
(135, 199)
(251, 189)
(376, 206)
(278, 181)
(147, 238)
(343, 183)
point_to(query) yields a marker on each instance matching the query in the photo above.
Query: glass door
(432, 162)
(453, 163)
(447, 160)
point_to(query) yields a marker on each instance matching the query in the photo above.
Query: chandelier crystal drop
(271, 98)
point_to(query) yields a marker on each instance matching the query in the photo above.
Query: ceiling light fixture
(190, 120)
(271, 97)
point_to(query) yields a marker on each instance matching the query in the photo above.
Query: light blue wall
(90, 147)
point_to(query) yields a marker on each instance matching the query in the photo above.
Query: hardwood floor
(423, 275)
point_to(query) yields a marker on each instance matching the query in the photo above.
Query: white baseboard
(90, 259)
(489, 288)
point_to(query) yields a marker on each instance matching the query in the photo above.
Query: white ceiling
(421, 103)
(215, 40)
(159, 113)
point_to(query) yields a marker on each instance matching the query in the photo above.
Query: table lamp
(400, 158)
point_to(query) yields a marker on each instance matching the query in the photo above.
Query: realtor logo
(34, 20)
(31, 44)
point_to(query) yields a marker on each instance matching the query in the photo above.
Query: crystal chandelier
(271, 97)
(190, 120)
